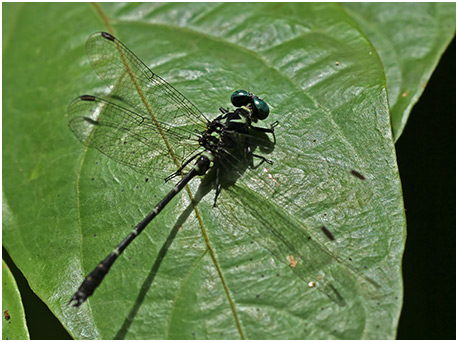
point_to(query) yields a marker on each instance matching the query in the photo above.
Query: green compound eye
(262, 108)
(241, 98)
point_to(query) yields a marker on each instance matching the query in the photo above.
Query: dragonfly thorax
(220, 132)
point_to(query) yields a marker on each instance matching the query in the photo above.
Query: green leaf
(410, 38)
(66, 207)
(14, 326)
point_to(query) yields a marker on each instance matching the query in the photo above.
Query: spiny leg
(178, 172)
(218, 186)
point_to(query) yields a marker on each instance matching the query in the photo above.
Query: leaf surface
(14, 326)
(410, 38)
(69, 206)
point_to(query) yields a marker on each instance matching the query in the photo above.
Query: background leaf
(14, 326)
(217, 48)
(409, 39)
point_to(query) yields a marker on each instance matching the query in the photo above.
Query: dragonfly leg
(263, 160)
(267, 130)
(224, 111)
(218, 186)
(178, 172)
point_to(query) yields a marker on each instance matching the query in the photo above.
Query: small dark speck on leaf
(257, 296)
(146, 179)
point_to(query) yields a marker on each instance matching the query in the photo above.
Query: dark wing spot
(357, 175)
(327, 233)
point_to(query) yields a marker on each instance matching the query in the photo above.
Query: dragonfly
(148, 125)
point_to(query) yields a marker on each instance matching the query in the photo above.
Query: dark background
(426, 158)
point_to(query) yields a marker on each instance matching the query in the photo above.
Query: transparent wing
(127, 137)
(309, 212)
(133, 83)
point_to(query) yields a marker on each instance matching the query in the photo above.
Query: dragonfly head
(258, 107)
